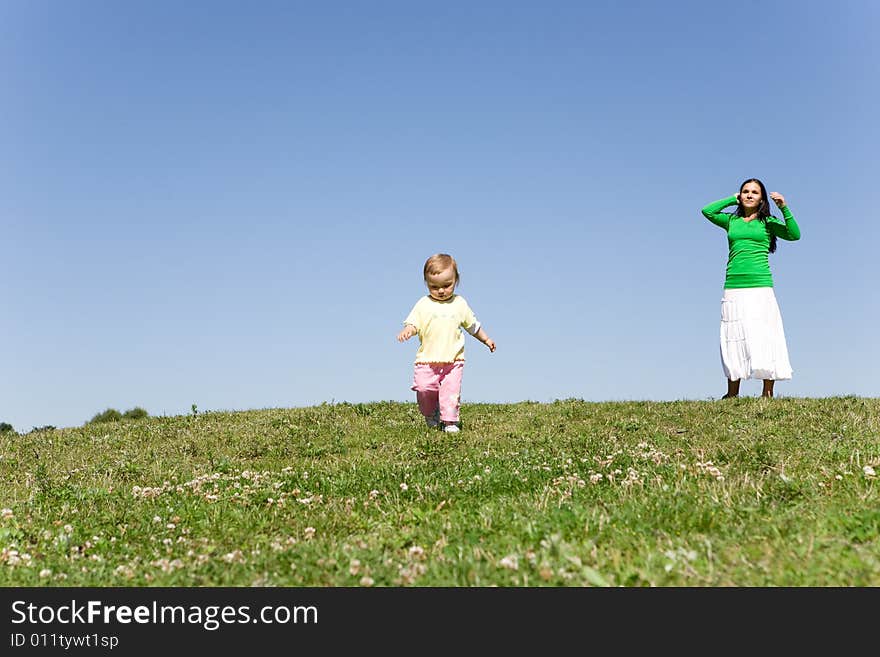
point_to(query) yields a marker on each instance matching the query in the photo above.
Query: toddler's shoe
(451, 428)
(433, 421)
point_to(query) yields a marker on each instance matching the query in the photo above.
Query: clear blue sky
(228, 204)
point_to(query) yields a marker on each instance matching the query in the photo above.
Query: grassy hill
(745, 492)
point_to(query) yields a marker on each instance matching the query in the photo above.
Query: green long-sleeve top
(749, 243)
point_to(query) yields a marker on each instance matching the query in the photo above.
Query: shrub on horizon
(6, 427)
(45, 427)
(136, 413)
(110, 415)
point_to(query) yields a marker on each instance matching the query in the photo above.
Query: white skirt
(752, 337)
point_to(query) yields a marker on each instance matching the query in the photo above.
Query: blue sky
(228, 204)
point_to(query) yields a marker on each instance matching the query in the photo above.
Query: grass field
(745, 492)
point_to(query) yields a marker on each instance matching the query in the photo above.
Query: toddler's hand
(491, 344)
(404, 335)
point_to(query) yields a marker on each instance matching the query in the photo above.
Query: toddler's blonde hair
(437, 263)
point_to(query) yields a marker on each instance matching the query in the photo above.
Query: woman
(752, 336)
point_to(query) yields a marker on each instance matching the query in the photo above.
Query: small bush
(5, 427)
(110, 415)
(45, 427)
(136, 413)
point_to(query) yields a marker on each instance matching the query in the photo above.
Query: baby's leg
(426, 383)
(450, 392)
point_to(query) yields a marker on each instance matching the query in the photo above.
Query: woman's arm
(789, 230)
(713, 211)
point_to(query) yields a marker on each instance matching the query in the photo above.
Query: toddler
(438, 319)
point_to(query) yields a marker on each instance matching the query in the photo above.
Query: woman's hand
(778, 199)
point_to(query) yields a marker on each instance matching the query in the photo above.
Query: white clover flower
(511, 562)
(235, 555)
(869, 471)
(124, 571)
(403, 486)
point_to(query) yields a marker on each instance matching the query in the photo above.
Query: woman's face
(750, 196)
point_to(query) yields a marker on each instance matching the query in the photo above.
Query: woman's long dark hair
(763, 209)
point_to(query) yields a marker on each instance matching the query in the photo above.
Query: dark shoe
(434, 421)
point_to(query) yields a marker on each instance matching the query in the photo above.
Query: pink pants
(438, 385)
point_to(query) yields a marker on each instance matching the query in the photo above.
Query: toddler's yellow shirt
(439, 325)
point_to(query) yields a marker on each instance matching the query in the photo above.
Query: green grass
(745, 492)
